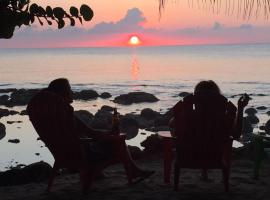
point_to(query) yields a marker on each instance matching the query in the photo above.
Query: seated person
(211, 87)
(104, 144)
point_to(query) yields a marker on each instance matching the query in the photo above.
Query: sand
(114, 185)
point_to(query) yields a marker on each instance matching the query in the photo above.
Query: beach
(114, 186)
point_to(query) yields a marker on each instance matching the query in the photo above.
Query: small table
(168, 140)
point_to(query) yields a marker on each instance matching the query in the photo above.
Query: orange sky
(181, 23)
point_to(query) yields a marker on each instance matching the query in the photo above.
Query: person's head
(207, 86)
(61, 87)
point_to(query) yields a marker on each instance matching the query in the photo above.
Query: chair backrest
(204, 124)
(53, 121)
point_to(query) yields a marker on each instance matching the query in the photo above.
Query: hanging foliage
(245, 9)
(20, 12)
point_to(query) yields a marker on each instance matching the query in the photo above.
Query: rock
(36, 172)
(12, 122)
(142, 122)
(129, 126)
(251, 111)
(261, 108)
(14, 141)
(267, 127)
(85, 116)
(106, 108)
(253, 119)
(262, 128)
(162, 121)
(149, 114)
(105, 95)
(4, 99)
(247, 130)
(6, 112)
(37, 154)
(143, 133)
(136, 152)
(135, 97)
(158, 128)
(22, 96)
(23, 112)
(152, 144)
(2, 131)
(184, 94)
(268, 112)
(102, 120)
(8, 90)
(85, 95)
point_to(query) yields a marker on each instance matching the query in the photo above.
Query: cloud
(117, 33)
(217, 26)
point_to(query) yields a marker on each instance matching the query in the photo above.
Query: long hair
(207, 86)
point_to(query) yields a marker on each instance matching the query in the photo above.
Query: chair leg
(176, 176)
(52, 176)
(86, 178)
(226, 177)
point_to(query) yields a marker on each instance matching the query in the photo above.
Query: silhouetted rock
(6, 112)
(23, 112)
(149, 114)
(102, 120)
(251, 111)
(22, 96)
(2, 131)
(4, 99)
(135, 97)
(158, 128)
(85, 116)
(152, 144)
(183, 94)
(268, 112)
(85, 95)
(12, 122)
(267, 127)
(107, 108)
(15, 141)
(8, 90)
(105, 95)
(247, 130)
(261, 108)
(162, 120)
(142, 122)
(35, 172)
(135, 152)
(253, 119)
(129, 126)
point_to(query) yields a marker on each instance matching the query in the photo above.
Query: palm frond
(245, 9)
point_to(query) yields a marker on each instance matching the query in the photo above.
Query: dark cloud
(130, 23)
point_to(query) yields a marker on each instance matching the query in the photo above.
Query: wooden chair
(53, 120)
(203, 127)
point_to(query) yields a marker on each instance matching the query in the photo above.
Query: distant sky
(116, 20)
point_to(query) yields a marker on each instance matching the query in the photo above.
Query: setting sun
(134, 40)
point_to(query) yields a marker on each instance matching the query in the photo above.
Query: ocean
(162, 71)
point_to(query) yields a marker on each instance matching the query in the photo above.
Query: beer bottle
(115, 122)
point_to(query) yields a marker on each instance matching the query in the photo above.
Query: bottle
(115, 122)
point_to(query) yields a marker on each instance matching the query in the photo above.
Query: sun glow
(134, 40)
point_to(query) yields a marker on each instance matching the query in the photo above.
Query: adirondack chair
(204, 134)
(53, 121)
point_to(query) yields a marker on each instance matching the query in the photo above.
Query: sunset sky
(116, 21)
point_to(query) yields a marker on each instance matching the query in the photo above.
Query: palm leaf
(240, 8)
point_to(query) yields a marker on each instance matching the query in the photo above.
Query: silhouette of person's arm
(238, 126)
